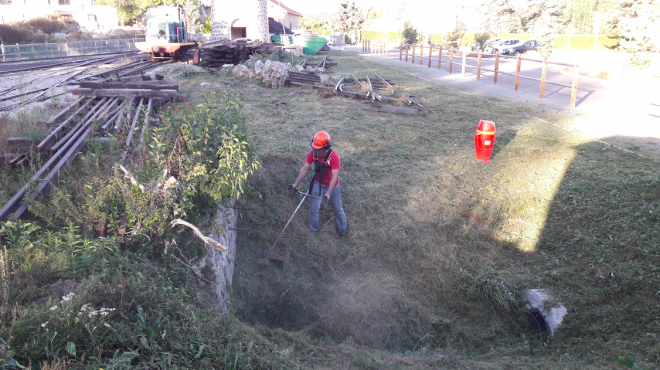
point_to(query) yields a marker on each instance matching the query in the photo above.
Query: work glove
(326, 196)
(293, 188)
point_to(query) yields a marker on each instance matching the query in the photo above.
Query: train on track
(166, 35)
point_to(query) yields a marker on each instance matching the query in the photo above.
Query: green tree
(348, 18)
(317, 23)
(409, 33)
(501, 17)
(128, 11)
(637, 22)
(580, 13)
(481, 38)
(191, 8)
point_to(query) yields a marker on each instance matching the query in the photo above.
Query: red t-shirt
(333, 163)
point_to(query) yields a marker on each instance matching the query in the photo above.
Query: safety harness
(320, 166)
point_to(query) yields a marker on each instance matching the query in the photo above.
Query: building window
(65, 2)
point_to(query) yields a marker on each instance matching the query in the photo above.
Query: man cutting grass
(325, 183)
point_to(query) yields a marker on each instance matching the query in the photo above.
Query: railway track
(21, 90)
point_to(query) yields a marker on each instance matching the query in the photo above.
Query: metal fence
(65, 49)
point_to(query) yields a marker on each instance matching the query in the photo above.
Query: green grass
(440, 251)
(434, 231)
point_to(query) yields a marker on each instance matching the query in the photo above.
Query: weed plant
(89, 280)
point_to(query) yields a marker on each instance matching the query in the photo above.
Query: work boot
(345, 233)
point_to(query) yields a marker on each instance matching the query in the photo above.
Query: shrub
(409, 33)
(13, 35)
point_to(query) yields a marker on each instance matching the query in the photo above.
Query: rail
(18, 52)
(381, 48)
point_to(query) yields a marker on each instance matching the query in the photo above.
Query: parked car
(487, 44)
(501, 44)
(519, 48)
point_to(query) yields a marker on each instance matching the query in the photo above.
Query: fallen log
(142, 93)
(373, 107)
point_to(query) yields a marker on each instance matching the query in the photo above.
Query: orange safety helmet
(321, 140)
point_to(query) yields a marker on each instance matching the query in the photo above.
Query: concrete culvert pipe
(546, 312)
(537, 322)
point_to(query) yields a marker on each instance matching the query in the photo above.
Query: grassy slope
(434, 234)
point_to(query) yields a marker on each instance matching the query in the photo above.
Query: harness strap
(319, 170)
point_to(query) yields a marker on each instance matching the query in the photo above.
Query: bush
(13, 35)
(409, 33)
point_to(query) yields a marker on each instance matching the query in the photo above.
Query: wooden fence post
(574, 85)
(463, 66)
(479, 67)
(497, 66)
(430, 53)
(421, 54)
(387, 50)
(440, 57)
(451, 59)
(518, 72)
(18, 50)
(407, 47)
(413, 56)
(363, 45)
(543, 74)
(400, 51)
(2, 46)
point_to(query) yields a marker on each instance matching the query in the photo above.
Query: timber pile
(216, 54)
(129, 87)
(377, 90)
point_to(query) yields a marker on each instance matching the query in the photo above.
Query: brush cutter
(269, 254)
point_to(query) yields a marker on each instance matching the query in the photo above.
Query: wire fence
(64, 49)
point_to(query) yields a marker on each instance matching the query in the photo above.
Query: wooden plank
(518, 73)
(407, 52)
(574, 85)
(451, 59)
(156, 85)
(430, 52)
(497, 66)
(479, 67)
(543, 74)
(439, 57)
(421, 54)
(372, 107)
(463, 64)
(142, 93)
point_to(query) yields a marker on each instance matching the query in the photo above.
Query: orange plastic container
(484, 140)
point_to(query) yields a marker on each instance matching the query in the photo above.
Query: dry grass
(439, 240)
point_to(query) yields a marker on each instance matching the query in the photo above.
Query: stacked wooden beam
(215, 54)
(136, 87)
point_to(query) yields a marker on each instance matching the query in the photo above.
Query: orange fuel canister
(484, 140)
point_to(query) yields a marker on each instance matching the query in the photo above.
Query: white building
(236, 19)
(88, 15)
(283, 14)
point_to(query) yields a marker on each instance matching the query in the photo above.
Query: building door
(238, 32)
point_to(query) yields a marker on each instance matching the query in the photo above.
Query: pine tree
(348, 18)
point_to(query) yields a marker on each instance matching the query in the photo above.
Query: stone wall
(222, 263)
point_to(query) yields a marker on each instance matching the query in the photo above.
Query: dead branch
(205, 239)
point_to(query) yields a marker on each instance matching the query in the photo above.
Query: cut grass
(432, 229)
